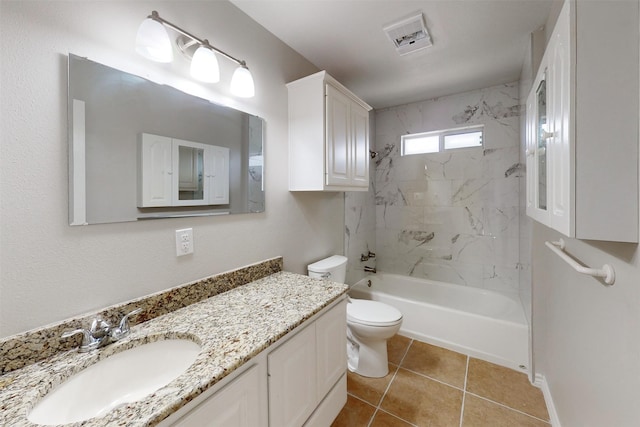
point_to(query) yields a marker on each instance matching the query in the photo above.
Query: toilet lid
(372, 313)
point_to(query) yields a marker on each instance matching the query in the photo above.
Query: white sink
(125, 377)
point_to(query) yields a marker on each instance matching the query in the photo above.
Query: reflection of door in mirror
(191, 173)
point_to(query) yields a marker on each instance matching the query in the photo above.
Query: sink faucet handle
(88, 341)
(124, 322)
(123, 328)
(86, 335)
(99, 328)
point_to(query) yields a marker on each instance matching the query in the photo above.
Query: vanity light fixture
(153, 43)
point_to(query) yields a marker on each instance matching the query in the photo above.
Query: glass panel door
(542, 132)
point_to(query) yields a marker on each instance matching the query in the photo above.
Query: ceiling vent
(409, 35)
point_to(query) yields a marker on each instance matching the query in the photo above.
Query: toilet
(369, 323)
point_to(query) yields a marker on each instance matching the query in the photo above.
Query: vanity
(272, 354)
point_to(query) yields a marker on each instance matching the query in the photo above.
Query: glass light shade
(204, 66)
(242, 83)
(153, 42)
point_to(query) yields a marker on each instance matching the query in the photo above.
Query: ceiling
(476, 43)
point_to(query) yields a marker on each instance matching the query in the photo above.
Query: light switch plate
(184, 241)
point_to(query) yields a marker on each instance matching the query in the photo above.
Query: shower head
(373, 154)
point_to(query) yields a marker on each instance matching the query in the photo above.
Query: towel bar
(606, 272)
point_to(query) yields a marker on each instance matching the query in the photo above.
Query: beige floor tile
(422, 401)
(436, 362)
(506, 386)
(369, 389)
(355, 413)
(482, 413)
(396, 348)
(382, 419)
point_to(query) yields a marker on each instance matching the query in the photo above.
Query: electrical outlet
(184, 241)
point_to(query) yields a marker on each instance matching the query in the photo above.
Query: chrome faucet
(101, 333)
(370, 269)
(123, 328)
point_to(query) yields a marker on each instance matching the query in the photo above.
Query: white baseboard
(541, 383)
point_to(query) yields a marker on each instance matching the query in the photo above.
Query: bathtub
(484, 324)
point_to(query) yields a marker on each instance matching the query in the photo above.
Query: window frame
(441, 134)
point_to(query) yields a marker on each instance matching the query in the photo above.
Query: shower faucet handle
(365, 257)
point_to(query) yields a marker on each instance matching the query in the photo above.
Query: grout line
(509, 407)
(397, 417)
(389, 385)
(360, 399)
(434, 379)
(464, 392)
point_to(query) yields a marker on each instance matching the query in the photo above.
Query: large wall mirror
(140, 150)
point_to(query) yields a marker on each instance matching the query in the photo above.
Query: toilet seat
(372, 313)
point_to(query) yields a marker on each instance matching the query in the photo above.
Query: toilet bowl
(369, 323)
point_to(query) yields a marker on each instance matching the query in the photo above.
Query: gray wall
(50, 271)
(585, 334)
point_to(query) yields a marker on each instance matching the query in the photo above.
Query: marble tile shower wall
(360, 228)
(451, 216)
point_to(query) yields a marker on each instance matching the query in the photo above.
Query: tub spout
(370, 269)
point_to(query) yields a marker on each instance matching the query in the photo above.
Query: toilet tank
(333, 268)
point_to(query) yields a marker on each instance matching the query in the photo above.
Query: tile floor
(432, 386)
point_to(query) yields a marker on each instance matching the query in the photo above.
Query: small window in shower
(442, 140)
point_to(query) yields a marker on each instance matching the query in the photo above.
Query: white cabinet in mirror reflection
(174, 172)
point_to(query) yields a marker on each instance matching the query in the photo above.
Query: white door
(235, 405)
(292, 380)
(155, 173)
(331, 347)
(338, 144)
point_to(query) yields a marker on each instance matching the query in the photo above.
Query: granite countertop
(231, 328)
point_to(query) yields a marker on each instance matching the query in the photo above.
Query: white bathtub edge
(489, 357)
(541, 382)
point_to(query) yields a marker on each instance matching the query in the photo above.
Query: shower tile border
(20, 350)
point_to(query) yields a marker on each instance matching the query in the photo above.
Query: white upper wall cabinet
(328, 136)
(582, 124)
(174, 172)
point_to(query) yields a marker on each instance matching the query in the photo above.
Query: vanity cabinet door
(331, 345)
(235, 405)
(292, 380)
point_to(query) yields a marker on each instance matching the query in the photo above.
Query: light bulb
(153, 42)
(204, 66)
(242, 83)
